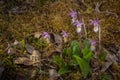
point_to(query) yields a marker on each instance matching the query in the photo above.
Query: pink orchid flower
(73, 14)
(95, 23)
(78, 25)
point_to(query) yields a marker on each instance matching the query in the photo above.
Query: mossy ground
(54, 17)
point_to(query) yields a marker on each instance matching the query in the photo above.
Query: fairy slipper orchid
(95, 23)
(46, 36)
(64, 35)
(78, 25)
(73, 14)
(93, 45)
(78, 30)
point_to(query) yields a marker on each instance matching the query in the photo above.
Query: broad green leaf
(84, 65)
(59, 61)
(63, 70)
(66, 52)
(87, 53)
(62, 65)
(75, 46)
(105, 77)
(69, 52)
(86, 44)
(74, 62)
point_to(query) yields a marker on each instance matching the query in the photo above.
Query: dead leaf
(53, 53)
(23, 60)
(53, 50)
(105, 66)
(20, 60)
(53, 75)
(118, 55)
(37, 35)
(33, 73)
(56, 38)
(35, 57)
(28, 63)
(59, 48)
(29, 48)
(110, 59)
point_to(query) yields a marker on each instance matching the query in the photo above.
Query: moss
(54, 17)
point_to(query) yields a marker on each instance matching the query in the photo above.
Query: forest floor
(26, 55)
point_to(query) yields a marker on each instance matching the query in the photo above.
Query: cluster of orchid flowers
(64, 34)
(79, 24)
(75, 21)
(46, 36)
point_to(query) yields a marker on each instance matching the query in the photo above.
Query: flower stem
(84, 28)
(99, 38)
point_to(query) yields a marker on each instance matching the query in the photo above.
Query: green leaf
(66, 52)
(40, 43)
(84, 65)
(87, 53)
(73, 62)
(22, 42)
(75, 46)
(105, 77)
(86, 44)
(102, 56)
(63, 70)
(69, 52)
(59, 61)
